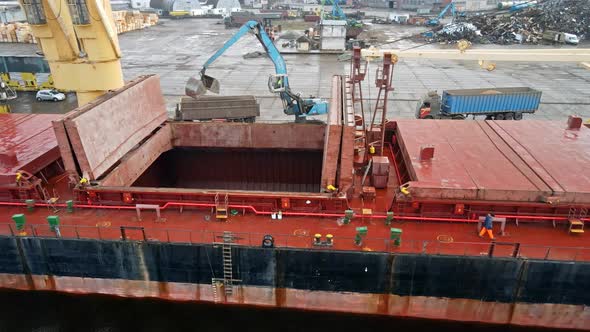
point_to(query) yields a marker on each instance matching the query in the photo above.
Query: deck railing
(495, 249)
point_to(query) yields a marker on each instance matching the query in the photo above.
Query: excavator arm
(450, 6)
(436, 20)
(337, 11)
(278, 83)
(255, 28)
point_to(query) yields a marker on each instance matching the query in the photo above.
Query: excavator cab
(276, 83)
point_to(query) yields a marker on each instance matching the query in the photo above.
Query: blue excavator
(293, 103)
(436, 21)
(337, 12)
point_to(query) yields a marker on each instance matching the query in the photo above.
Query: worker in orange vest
(487, 226)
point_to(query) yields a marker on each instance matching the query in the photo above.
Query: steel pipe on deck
(287, 213)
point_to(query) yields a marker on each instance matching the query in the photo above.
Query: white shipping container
(332, 44)
(333, 28)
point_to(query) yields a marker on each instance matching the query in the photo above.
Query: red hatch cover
(26, 143)
(95, 136)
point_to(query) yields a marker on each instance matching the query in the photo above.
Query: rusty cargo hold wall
(236, 169)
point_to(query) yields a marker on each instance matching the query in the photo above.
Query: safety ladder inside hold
(221, 207)
(23, 193)
(380, 106)
(575, 220)
(352, 91)
(401, 167)
(400, 206)
(354, 82)
(228, 240)
(355, 95)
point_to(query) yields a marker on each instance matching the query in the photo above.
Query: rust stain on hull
(526, 314)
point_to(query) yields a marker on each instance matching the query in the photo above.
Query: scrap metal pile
(526, 26)
(456, 31)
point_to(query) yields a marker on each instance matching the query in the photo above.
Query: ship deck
(538, 240)
(487, 163)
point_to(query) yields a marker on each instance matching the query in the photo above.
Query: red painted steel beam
(392, 155)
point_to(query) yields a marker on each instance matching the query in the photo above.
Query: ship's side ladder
(228, 240)
(228, 281)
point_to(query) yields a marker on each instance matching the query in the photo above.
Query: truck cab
(429, 106)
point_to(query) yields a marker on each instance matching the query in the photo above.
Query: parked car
(52, 95)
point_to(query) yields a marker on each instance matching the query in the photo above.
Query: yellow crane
(79, 41)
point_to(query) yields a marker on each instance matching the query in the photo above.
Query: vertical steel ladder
(228, 240)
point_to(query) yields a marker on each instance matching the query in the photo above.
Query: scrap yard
(283, 162)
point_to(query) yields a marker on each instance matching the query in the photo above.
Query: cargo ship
(351, 215)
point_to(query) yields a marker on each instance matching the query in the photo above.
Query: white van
(560, 37)
(571, 39)
(398, 18)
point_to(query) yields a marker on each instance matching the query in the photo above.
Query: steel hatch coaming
(248, 135)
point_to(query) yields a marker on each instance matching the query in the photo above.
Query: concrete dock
(176, 50)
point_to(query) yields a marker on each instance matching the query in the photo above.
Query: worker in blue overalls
(487, 226)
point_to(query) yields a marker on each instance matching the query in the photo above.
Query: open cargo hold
(151, 152)
(237, 151)
(235, 169)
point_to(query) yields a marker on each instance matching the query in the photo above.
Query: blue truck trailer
(493, 103)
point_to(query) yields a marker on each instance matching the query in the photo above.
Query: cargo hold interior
(224, 156)
(235, 169)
